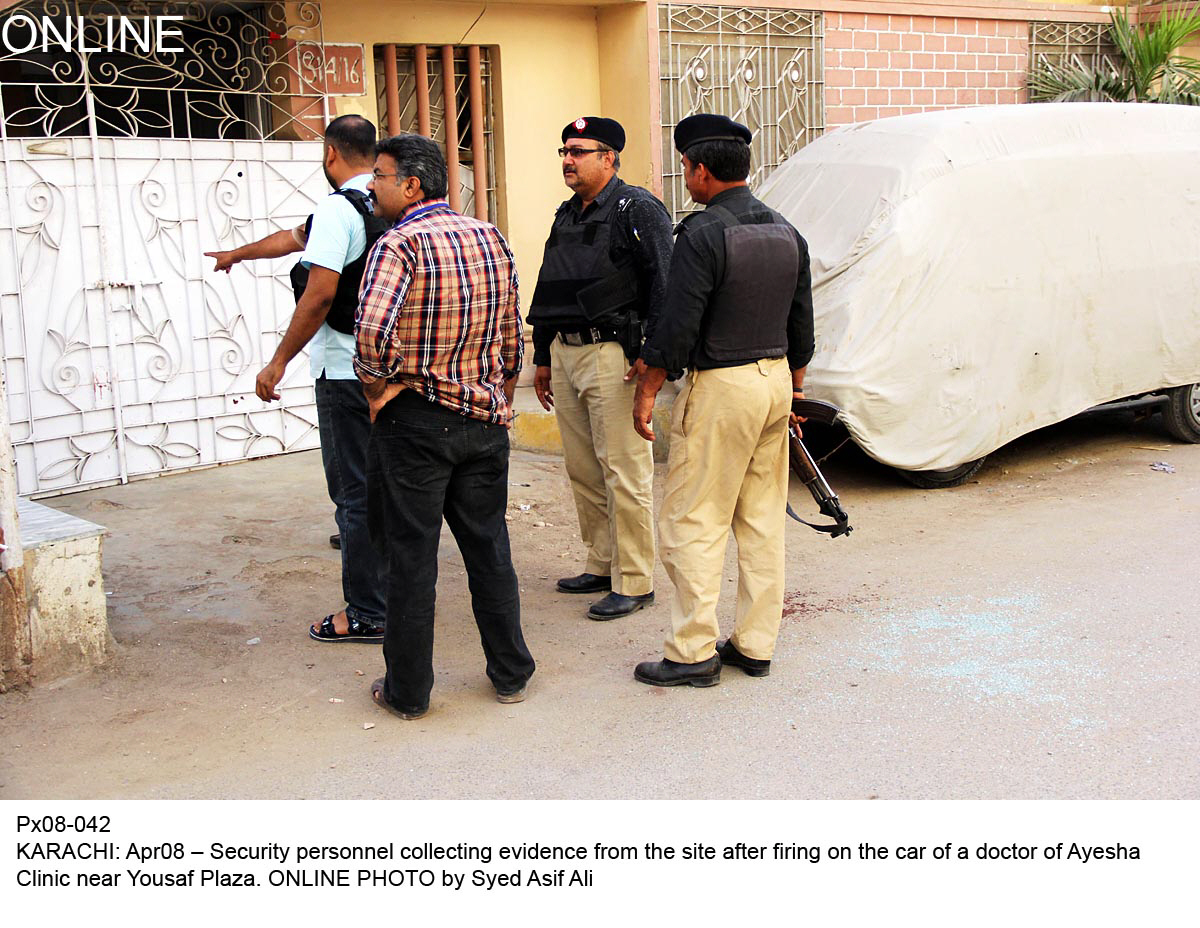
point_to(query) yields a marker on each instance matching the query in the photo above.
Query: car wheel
(1181, 414)
(946, 477)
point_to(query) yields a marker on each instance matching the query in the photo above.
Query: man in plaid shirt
(438, 351)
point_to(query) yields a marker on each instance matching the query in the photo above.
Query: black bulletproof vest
(345, 298)
(748, 312)
(578, 283)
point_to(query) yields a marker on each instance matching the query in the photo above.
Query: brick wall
(878, 65)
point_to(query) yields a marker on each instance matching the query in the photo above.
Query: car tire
(945, 478)
(1181, 413)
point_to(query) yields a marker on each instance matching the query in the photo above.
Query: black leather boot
(732, 657)
(584, 583)
(671, 673)
(616, 605)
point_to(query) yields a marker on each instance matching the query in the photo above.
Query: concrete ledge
(537, 430)
(67, 610)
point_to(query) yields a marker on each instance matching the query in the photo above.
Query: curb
(536, 430)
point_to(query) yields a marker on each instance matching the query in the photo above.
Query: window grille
(241, 74)
(408, 118)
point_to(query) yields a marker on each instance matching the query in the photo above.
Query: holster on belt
(611, 302)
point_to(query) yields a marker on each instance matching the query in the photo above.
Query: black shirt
(641, 233)
(697, 270)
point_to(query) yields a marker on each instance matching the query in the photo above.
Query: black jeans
(426, 463)
(345, 426)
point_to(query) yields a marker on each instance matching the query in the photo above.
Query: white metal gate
(125, 354)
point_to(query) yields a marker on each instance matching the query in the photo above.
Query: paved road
(1031, 634)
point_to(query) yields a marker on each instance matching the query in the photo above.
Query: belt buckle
(595, 333)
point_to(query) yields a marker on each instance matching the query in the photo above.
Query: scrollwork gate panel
(125, 353)
(762, 67)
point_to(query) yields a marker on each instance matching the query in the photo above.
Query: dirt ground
(1031, 634)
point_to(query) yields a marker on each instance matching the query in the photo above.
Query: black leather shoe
(380, 698)
(584, 583)
(335, 542)
(670, 673)
(732, 657)
(615, 605)
(511, 696)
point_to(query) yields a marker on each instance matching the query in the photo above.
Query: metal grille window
(761, 67)
(244, 72)
(413, 99)
(1071, 43)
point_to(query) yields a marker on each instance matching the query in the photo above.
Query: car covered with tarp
(983, 272)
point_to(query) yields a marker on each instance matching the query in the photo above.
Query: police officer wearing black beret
(738, 316)
(601, 284)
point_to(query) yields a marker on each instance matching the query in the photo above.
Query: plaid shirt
(438, 311)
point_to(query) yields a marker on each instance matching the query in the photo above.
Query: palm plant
(1149, 69)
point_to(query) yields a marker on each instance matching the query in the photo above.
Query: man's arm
(800, 317)
(800, 329)
(275, 245)
(385, 283)
(651, 238)
(689, 284)
(650, 381)
(542, 385)
(386, 279)
(309, 315)
(512, 340)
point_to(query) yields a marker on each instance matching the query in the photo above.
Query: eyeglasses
(576, 152)
(377, 175)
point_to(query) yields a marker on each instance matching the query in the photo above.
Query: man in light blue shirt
(334, 241)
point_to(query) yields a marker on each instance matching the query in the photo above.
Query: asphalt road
(1032, 634)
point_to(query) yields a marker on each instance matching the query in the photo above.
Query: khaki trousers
(728, 467)
(610, 466)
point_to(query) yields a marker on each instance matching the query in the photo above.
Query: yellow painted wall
(625, 85)
(546, 72)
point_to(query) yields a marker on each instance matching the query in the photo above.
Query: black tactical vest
(747, 314)
(345, 298)
(579, 284)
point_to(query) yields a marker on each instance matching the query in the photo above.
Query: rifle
(810, 475)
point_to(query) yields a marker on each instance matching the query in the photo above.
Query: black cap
(709, 127)
(598, 129)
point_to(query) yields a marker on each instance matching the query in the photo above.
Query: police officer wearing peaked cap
(739, 316)
(602, 281)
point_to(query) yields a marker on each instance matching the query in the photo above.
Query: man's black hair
(725, 160)
(419, 157)
(352, 137)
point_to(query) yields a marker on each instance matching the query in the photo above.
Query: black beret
(709, 127)
(597, 128)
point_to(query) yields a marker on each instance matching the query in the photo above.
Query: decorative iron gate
(125, 354)
(761, 67)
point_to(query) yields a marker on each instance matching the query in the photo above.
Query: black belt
(589, 336)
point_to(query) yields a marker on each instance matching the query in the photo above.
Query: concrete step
(536, 430)
(64, 588)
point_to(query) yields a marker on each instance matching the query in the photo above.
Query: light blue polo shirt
(336, 238)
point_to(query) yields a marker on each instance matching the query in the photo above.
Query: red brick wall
(878, 65)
